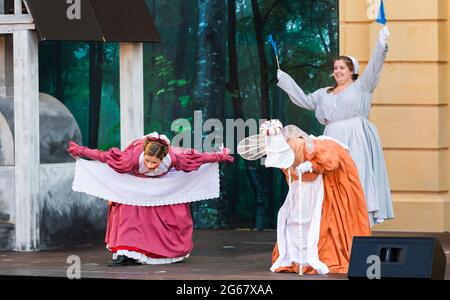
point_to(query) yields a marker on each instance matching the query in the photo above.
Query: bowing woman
(324, 208)
(149, 234)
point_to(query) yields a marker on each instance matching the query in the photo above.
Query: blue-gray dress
(346, 118)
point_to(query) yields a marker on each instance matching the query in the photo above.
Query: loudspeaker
(397, 257)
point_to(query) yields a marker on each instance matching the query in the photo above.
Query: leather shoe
(122, 260)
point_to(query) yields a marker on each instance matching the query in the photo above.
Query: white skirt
(290, 227)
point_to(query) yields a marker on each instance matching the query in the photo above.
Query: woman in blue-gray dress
(344, 109)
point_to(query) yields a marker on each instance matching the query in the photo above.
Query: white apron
(175, 187)
(289, 226)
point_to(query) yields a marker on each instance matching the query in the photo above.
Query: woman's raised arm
(296, 94)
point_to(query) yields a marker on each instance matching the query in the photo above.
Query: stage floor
(217, 255)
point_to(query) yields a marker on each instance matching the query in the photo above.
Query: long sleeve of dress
(190, 159)
(296, 94)
(324, 158)
(372, 72)
(119, 161)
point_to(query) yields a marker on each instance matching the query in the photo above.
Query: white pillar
(131, 92)
(18, 7)
(26, 128)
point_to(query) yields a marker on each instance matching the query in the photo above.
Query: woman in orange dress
(324, 208)
(344, 211)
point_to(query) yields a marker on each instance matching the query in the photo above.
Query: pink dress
(151, 235)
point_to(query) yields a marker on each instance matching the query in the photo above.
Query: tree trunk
(209, 93)
(233, 88)
(263, 66)
(96, 60)
(264, 179)
(59, 90)
(332, 29)
(148, 116)
(210, 58)
(180, 56)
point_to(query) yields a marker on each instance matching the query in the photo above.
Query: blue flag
(275, 49)
(381, 16)
(274, 44)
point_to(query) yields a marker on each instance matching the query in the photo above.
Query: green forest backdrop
(214, 57)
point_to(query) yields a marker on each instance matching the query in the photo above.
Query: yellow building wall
(410, 105)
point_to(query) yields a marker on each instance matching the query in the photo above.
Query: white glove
(279, 74)
(304, 167)
(384, 35)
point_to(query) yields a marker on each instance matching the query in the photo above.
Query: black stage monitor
(397, 257)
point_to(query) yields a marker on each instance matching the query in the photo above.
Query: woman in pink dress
(149, 234)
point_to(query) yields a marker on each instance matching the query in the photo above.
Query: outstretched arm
(372, 72)
(82, 151)
(190, 159)
(295, 93)
(119, 161)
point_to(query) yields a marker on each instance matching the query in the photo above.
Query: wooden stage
(217, 255)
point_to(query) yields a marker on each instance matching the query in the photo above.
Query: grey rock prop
(66, 218)
(57, 127)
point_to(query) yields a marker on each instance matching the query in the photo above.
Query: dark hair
(154, 148)
(350, 66)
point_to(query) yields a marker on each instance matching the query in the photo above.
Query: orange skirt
(344, 215)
